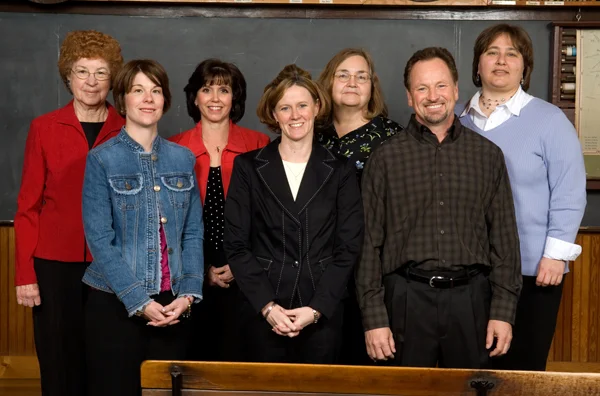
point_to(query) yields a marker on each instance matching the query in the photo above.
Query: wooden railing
(256, 379)
(577, 338)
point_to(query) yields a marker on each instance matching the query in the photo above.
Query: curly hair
(214, 71)
(291, 75)
(88, 44)
(376, 105)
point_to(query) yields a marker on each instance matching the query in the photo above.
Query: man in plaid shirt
(439, 276)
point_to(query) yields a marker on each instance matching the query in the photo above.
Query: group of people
(347, 239)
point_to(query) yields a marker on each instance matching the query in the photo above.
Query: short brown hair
(430, 53)
(376, 106)
(124, 81)
(88, 44)
(290, 75)
(520, 40)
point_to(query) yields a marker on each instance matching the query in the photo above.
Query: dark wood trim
(7, 223)
(306, 11)
(589, 230)
(593, 184)
(578, 25)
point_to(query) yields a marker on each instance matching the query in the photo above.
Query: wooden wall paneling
(556, 348)
(585, 302)
(16, 322)
(577, 337)
(567, 315)
(593, 311)
(576, 306)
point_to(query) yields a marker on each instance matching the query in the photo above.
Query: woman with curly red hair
(51, 252)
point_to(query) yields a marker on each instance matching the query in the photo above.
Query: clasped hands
(288, 322)
(159, 316)
(220, 276)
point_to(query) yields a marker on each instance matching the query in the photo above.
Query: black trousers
(534, 327)
(316, 344)
(353, 349)
(217, 333)
(116, 344)
(58, 327)
(444, 327)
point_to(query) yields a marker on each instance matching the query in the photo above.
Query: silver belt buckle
(434, 278)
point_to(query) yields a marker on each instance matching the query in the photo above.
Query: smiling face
(501, 66)
(214, 102)
(432, 93)
(144, 103)
(89, 91)
(295, 113)
(351, 93)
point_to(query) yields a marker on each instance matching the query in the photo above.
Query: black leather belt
(441, 281)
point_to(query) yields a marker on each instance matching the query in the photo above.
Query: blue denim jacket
(127, 193)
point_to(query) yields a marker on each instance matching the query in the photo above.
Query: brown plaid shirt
(442, 205)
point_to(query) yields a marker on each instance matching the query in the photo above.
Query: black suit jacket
(297, 253)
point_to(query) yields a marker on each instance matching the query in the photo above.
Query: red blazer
(48, 222)
(241, 140)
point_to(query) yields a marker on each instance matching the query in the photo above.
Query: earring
(477, 79)
(522, 81)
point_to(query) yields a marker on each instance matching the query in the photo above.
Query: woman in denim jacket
(143, 222)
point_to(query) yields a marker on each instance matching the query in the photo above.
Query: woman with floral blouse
(358, 124)
(358, 121)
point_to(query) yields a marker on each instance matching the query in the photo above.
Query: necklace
(487, 102)
(218, 148)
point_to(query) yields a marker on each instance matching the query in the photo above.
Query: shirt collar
(422, 133)
(514, 104)
(235, 140)
(134, 146)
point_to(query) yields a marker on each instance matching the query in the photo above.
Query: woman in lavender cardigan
(547, 175)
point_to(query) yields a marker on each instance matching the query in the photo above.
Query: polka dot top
(214, 211)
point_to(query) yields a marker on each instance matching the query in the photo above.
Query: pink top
(165, 280)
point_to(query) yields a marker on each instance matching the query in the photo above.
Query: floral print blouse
(360, 143)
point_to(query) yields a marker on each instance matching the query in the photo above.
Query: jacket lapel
(111, 126)
(270, 170)
(317, 173)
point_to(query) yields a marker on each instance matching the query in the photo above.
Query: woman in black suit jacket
(294, 228)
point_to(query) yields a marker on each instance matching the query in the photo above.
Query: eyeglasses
(83, 74)
(361, 78)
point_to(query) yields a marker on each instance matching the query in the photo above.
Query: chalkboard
(31, 85)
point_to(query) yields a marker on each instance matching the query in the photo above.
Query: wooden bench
(252, 379)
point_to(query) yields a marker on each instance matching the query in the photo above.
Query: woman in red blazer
(51, 252)
(216, 97)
